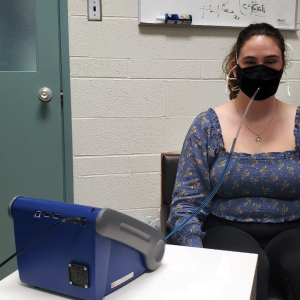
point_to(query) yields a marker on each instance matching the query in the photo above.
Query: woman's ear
(232, 65)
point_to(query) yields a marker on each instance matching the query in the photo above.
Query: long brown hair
(248, 32)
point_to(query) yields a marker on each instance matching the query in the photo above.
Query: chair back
(169, 164)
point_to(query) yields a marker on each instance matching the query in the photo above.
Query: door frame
(66, 98)
(65, 125)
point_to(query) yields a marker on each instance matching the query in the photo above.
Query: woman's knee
(284, 245)
(234, 239)
(283, 253)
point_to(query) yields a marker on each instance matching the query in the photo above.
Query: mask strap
(286, 76)
(227, 78)
(287, 83)
(236, 88)
(292, 51)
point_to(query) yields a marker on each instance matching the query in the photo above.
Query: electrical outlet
(94, 9)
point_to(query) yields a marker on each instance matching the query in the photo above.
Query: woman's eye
(269, 62)
(250, 63)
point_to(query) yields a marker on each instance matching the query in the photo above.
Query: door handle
(45, 94)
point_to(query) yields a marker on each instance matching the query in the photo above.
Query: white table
(186, 273)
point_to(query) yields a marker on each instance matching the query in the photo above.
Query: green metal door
(31, 131)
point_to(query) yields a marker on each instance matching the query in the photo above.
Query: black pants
(277, 246)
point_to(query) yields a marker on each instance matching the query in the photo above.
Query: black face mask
(250, 78)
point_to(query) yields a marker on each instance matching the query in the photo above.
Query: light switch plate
(94, 9)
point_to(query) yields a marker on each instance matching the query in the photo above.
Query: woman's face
(260, 49)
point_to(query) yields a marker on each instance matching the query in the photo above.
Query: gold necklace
(258, 136)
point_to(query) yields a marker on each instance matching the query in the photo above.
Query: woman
(257, 207)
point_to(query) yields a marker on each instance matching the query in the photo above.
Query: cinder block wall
(135, 91)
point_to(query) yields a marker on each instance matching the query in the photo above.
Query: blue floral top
(263, 187)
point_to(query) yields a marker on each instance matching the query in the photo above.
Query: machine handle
(133, 233)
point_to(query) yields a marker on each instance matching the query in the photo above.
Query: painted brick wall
(135, 91)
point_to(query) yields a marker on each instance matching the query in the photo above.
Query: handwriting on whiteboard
(225, 8)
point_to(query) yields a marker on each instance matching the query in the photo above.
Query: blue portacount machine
(87, 260)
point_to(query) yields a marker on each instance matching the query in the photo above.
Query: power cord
(67, 220)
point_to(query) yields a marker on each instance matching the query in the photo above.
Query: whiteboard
(281, 14)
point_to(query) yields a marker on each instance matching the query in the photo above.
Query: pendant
(258, 139)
